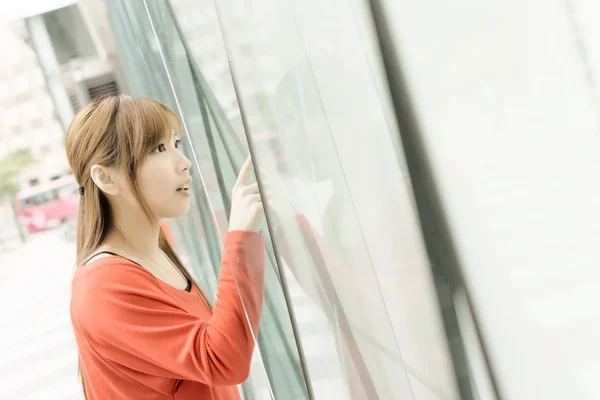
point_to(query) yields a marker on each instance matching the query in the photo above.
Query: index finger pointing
(245, 172)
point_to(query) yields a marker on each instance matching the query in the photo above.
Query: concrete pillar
(52, 71)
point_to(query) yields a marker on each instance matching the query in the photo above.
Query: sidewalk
(39, 358)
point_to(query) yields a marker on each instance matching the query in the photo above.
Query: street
(39, 355)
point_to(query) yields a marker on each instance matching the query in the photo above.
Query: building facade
(443, 153)
(63, 57)
(28, 118)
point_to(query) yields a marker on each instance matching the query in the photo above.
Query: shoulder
(112, 273)
(110, 284)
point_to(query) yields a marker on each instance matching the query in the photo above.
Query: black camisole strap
(188, 288)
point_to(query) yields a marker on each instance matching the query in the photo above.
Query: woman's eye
(161, 147)
(177, 143)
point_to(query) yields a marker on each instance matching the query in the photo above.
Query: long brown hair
(115, 131)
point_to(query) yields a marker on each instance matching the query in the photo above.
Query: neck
(133, 233)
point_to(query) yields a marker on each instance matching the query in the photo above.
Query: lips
(185, 187)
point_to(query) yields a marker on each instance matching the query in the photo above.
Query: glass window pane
(341, 203)
(506, 97)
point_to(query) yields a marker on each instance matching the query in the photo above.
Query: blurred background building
(28, 113)
(60, 59)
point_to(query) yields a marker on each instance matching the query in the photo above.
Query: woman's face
(164, 180)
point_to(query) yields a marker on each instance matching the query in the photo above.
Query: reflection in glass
(344, 220)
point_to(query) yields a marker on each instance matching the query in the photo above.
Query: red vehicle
(49, 205)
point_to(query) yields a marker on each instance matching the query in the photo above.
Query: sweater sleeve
(129, 320)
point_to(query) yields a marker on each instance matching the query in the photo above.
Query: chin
(177, 212)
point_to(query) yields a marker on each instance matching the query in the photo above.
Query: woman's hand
(247, 213)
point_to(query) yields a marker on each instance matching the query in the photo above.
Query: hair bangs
(147, 123)
(162, 124)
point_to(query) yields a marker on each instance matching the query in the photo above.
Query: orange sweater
(140, 338)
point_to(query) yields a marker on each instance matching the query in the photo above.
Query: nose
(184, 163)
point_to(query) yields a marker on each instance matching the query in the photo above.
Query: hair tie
(81, 190)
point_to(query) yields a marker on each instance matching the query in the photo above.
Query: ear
(105, 178)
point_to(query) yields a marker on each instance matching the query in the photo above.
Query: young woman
(143, 329)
